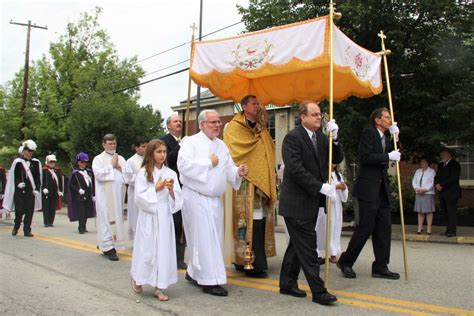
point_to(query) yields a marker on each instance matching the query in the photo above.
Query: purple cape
(71, 208)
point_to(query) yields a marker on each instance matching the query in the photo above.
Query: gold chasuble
(254, 147)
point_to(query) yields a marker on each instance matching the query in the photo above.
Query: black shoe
(191, 280)
(320, 261)
(347, 272)
(111, 254)
(28, 234)
(14, 231)
(256, 274)
(387, 274)
(296, 292)
(81, 232)
(215, 290)
(182, 265)
(450, 235)
(324, 298)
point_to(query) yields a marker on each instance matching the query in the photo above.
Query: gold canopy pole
(384, 53)
(188, 102)
(332, 15)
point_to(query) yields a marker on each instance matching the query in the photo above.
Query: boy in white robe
(205, 165)
(157, 196)
(134, 163)
(111, 173)
(336, 220)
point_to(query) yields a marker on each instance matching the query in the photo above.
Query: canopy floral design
(286, 64)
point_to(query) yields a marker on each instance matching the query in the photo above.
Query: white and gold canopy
(286, 64)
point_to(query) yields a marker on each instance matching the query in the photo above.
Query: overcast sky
(142, 28)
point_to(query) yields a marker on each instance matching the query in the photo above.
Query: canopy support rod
(384, 53)
(188, 101)
(331, 101)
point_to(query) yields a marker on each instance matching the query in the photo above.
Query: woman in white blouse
(423, 184)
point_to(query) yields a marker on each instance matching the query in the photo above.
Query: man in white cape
(134, 163)
(205, 165)
(111, 173)
(22, 192)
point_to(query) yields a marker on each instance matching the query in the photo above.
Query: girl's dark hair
(148, 161)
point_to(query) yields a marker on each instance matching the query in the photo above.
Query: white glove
(82, 192)
(394, 130)
(36, 193)
(21, 185)
(328, 190)
(45, 191)
(60, 193)
(93, 199)
(332, 127)
(394, 155)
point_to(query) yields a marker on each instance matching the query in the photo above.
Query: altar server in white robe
(336, 219)
(157, 195)
(205, 165)
(134, 163)
(111, 174)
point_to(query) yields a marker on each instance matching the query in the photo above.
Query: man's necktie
(315, 142)
(421, 179)
(383, 142)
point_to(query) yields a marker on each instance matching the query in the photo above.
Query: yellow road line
(360, 304)
(272, 286)
(369, 297)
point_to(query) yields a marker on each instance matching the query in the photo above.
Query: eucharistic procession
(248, 178)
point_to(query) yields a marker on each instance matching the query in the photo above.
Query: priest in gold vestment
(250, 142)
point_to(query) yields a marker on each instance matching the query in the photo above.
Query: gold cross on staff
(382, 35)
(384, 52)
(193, 27)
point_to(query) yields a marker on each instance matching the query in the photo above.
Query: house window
(271, 124)
(466, 160)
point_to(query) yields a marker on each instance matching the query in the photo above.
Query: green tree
(71, 101)
(430, 66)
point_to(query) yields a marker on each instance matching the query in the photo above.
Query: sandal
(161, 296)
(136, 288)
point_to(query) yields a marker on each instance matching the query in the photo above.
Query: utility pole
(198, 95)
(26, 72)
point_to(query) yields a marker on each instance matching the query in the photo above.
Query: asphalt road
(59, 272)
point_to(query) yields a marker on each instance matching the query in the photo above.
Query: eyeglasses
(218, 122)
(320, 115)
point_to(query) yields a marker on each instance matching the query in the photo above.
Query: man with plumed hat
(22, 191)
(51, 190)
(81, 193)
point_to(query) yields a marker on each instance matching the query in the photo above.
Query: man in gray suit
(303, 191)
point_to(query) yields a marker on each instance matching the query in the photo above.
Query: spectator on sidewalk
(423, 184)
(447, 185)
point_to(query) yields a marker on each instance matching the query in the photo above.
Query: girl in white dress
(157, 195)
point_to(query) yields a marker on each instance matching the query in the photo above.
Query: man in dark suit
(372, 190)
(303, 191)
(172, 140)
(447, 185)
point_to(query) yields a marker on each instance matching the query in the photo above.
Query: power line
(167, 50)
(186, 43)
(158, 70)
(154, 79)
